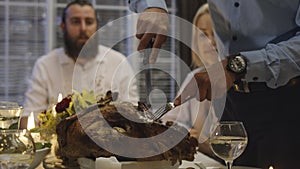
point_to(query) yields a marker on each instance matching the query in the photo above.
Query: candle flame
(30, 121)
(271, 167)
(24, 131)
(59, 98)
(3, 125)
(54, 111)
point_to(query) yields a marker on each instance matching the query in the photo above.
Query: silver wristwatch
(237, 64)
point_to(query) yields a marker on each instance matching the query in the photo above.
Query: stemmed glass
(17, 149)
(10, 113)
(228, 141)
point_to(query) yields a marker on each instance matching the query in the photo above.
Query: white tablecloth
(204, 162)
(201, 162)
(112, 163)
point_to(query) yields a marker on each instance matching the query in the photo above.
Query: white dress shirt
(56, 73)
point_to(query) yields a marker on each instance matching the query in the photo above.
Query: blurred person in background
(98, 68)
(193, 114)
(259, 44)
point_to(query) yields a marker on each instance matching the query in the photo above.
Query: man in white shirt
(77, 67)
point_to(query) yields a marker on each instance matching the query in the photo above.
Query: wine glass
(10, 113)
(17, 149)
(228, 141)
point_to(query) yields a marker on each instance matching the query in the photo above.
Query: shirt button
(236, 4)
(234, 37)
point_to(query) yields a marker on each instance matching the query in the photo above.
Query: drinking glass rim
(8, 105)
(14, 131)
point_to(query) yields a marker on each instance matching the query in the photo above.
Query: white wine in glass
(228, 141)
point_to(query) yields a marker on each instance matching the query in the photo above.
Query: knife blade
(147, 53)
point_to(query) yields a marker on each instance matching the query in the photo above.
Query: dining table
(201, 161)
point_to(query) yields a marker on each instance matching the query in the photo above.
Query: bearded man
(81, 64)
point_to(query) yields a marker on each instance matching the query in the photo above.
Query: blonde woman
(203, 42)
(195, 115)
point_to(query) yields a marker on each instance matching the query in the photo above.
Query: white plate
(39, 157)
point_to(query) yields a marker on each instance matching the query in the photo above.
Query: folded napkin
(108, 163)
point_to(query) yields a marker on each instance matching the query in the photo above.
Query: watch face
(237, 64)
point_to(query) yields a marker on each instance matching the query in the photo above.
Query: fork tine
(163, 110)
(159, 112)
(159, 115)
(150, 115)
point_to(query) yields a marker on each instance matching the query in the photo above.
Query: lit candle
(30, 121)
(59, 99)
(54, 111)
(30, 125)
(271, 167)
(3, 125)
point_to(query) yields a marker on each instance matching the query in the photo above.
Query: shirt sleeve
(125, 84)
(36, 95)
(253, 34)
(278, 62)
(275, 64)
(141, 5)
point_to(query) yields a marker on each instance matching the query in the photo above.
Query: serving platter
(39, 156)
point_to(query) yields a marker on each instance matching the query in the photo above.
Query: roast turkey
(107, 125)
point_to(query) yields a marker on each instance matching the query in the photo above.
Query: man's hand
(152, 24)
(200, 86)
(194, 133)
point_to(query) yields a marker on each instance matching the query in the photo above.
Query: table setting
(43, 147)
(201, 161)
(19, 148)
(227, 141)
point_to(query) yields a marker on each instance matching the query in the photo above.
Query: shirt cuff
(141, 5)
(257, 70)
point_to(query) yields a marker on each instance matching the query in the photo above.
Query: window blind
(24, 37)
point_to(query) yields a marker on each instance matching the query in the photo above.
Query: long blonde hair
(196, 62)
